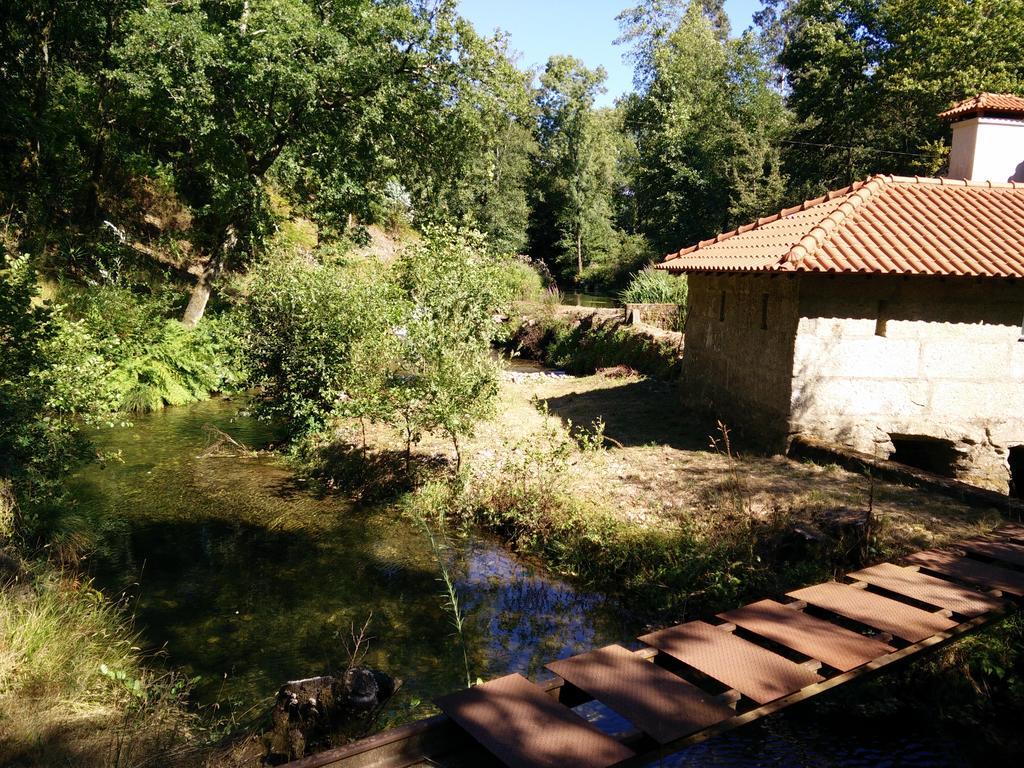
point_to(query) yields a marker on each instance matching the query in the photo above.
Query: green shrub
(154, 360)
(655, 286)
(409, 345)
(584, 347)
(521, 281)
(320, 340)
(50, 382)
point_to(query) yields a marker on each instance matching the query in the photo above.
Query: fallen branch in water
(223, 445)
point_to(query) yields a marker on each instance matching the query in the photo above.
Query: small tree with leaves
(319, 338)
(447, 380)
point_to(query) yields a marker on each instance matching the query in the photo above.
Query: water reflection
(582, 299)
(248, 579)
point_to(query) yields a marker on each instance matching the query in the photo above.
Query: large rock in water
(312, 710)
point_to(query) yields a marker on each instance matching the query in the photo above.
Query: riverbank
(607, 479)
(604, 478)
(583, 340)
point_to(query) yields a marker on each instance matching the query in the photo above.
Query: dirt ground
(660, 469)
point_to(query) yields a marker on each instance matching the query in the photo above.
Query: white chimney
(988, 149)
(988, 138)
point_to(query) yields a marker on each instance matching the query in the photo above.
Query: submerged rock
(312, 710)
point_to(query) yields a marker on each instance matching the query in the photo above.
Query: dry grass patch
(659, 470)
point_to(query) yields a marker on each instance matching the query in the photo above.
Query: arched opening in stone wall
(928, 453)
(1016, 461)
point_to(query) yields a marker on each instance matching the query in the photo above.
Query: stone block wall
(878, 356)
(738, 363)
(664, 316)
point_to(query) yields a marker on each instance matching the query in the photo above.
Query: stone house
(886, 316)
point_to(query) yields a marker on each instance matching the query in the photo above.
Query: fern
(155, 361)
(180, 366)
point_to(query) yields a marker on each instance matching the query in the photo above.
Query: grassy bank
(74, 687)
(606, 479)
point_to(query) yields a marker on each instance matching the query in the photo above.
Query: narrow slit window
(1021, 339)
(882, 320)
(764, 311)
(721, 308)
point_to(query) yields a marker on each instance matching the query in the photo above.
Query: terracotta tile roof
(998, 103)
(885, 225)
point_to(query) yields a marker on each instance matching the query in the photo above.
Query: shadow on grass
(637, 412)
(377, 475)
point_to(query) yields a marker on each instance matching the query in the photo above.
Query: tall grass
(428, 507)
(694, 564)
(73, 688)
(655, 286)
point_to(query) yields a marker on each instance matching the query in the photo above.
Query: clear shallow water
(581, 299)
(246, 577)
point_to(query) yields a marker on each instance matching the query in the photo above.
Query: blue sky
(583, 28)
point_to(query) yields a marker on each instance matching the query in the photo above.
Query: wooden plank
(756, 672)
(523, 727)
(660, 704)
(1004, 551)
(829, 643)
(927, 589)
(1013, 531)
(986, 575)
(905, 621)
(441, 746)
(870, 669)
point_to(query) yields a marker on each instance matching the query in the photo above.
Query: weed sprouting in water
(438, 541)
(360, 643)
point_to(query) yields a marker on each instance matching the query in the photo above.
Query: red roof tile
(885, 225)
(992, 103)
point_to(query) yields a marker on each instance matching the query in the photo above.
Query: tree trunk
(204, 285)
(458, 452)
(197, 301)
(579, 254)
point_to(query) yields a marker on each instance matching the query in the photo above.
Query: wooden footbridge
(696, 680)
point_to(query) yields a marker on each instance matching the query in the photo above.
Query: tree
(488, 148)
(646, 27)
(708, 129)
(576, 163)
(55, 121)
(447, 379)
(338, 101)
(866, 79)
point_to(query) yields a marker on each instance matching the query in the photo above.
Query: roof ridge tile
(817, 235)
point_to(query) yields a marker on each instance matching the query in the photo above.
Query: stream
(244, 576)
